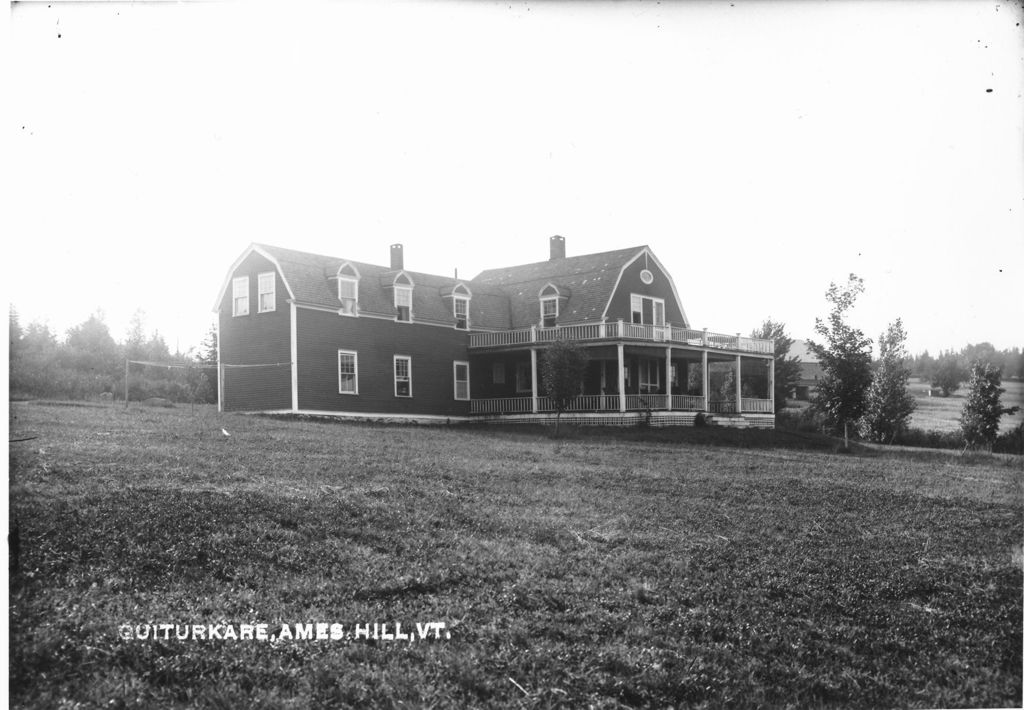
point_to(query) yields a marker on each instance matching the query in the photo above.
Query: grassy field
(943, 413)
(694, 568)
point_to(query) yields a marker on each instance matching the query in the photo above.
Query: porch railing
(610, 403)
(757, 406)
(584, 403)
(620, 330)
(501, 405)
(687, 401)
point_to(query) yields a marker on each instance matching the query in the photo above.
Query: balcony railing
(620, 330)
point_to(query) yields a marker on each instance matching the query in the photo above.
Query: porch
(627, 377)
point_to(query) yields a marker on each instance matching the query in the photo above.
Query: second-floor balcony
(622, 331)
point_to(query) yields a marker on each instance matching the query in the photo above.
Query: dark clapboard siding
(433, 349)
(258, 338)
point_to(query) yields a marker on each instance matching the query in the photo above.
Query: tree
(845, 358)
(35, 371)
(787, 369)
(924, 366)
(889, 403)
(949, 373)
(562, 371)
(135, 338)
(208, 356)
(16, 334)
(983, 352)
(91, 359)
(982, 410)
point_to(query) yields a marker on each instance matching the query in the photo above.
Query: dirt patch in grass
(605, 569)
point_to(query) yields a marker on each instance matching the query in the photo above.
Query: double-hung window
(549, 311)
(403, 376)
(348, 372)
(267, 301)
(348, 294)
(461, 379)
(461, 312)
(240, 296)
(549, 296)
(403, 303)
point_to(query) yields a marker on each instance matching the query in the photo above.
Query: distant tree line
(950, 369)
(88, 362)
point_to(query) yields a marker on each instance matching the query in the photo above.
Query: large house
(322, 335)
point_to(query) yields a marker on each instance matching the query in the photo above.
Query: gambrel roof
(312, 280)
(500, 298)
(585, 285)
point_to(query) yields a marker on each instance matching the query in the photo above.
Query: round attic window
(647, 277)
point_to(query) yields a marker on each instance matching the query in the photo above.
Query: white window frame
(243, 299)
(260, 292)
(650, 375)
(408, 378)
(407, 291)
(349, 303)
(455, 377)
(464, 301)
(636, 305)
(355, 372)
(543, 301)
(524, 374)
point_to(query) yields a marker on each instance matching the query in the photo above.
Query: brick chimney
(397, 260)
(557, 247)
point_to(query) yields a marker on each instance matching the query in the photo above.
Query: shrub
(931, 439)
(982, 411)
(1011, 442)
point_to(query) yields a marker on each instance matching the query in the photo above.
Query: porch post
(739, 376)
(533, 377)
(771, 383)
(622, 379)
(704, 376)
(668, 378)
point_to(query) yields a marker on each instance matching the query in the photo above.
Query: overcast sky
(762, 150)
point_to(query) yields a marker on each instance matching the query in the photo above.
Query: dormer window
(460, 306)
(462, 313)
(549, 311)
(403, 298)
(348, 290)
(549, 306)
